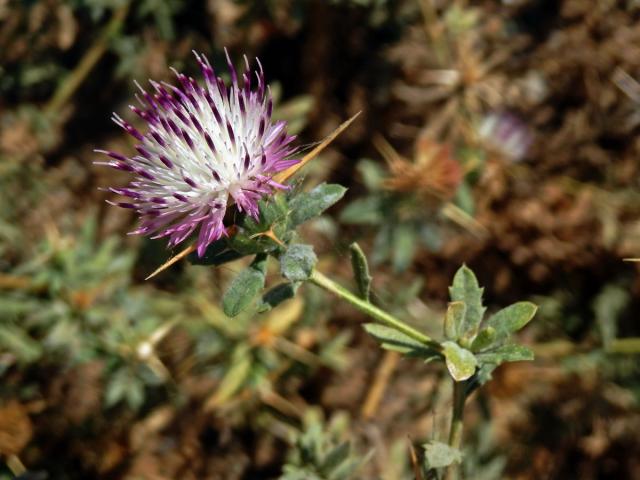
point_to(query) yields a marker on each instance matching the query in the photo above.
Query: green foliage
(297, 262)
(361, 273)
(607, 307)
(439, 455)
(465, 289)
(391, 339)
(454, 320)
(320, 452)
(308, 205)
(461, 363)
(271, 234)
(245, 287)
(511, 319)
(475, 346)
(277, 295)
(78, 306)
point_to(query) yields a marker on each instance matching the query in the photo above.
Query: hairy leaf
(245, 287)
(454, 320)
(438, 454)
(277, 295)
(297, 262)
(460, 361)
(485, 339)
(311, 204)
(465, 289)
(391, 339)
(512, 318)
(363, 211)
(506, 353)
(360, 270)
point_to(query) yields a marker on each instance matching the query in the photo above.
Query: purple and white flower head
(507, 133)
(204, 149)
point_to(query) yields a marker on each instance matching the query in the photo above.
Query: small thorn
(269, 234)
(172, 260)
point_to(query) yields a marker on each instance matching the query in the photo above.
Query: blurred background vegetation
(503, 134)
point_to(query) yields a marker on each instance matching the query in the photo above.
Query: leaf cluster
(73, 304)
(320, 452)
(272, 235)
(473, 346)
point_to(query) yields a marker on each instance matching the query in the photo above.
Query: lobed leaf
(465, 289)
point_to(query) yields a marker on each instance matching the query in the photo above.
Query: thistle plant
(208, 148)
(205, 148)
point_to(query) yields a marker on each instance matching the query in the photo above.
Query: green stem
(374, 312)
(630, 345)
(455, 431)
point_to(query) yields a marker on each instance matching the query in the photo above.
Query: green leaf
(454, 320)
(607, 306)
(311, 204)
(465, 289)
(18, 342)
(297, 262)
(363, 211)
(391, 339)
(404, 242)
(484, 374)
(335, 457)
(439, 455)
(506, 353)
(485, 339)
(245, 287)
(360, 270)
(236, 376)
(464, 198)
(273, 209)
(124, 386)
(277, 295)
(242, 243)
(460, 361)
(512, 318)
(372, 173)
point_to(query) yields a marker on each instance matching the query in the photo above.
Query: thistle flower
(506, 133)
(205, 148)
